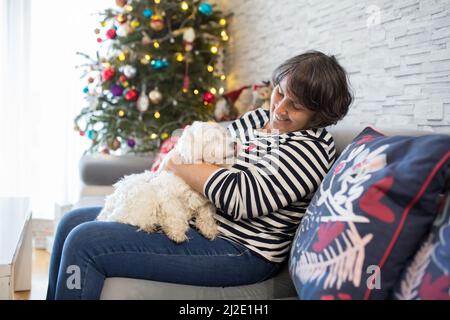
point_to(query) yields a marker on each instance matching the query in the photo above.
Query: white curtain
(40, 94)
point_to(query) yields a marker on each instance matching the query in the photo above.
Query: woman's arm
(195, 175)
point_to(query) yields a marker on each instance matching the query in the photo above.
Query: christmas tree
(159, 67)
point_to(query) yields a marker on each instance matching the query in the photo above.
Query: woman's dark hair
(319, 83)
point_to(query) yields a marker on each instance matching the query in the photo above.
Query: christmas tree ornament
(116, 90)
(90, 80)
(111, 34)
(147, 13)
(122, 78)
(91, 134)
(157, 22)
(124, 30)
(135, 24)
(131, 142)
(188, 39)
(223, 22)
(81, 133)
(129, 71)
(129, 8)
(143, 101)
(120, 18)
(208, 97)
(108, 74)
(121, 3)
(97, 31)
(205, 8)
(122, 56)
(157, 115)
(155, 96)
(131, 95)
(172, 40)
(174, 103)
(159, 64)
(86, 90)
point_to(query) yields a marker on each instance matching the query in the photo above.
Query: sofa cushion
(427, 275)
(278, 287)
(369, 215)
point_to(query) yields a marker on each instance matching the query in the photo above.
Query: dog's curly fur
(163, 201)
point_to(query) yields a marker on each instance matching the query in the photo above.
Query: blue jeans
(85, 252)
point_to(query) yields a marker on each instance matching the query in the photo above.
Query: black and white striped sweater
(263, 197)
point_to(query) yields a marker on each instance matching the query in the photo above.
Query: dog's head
(207, 142)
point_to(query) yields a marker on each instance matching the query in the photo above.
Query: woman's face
(286, 113)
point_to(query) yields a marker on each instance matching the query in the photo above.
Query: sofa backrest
(343, 134)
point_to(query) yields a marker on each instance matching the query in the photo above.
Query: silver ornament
(143, 102)
(129, 71)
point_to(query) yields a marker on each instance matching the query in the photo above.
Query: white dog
(153, 201)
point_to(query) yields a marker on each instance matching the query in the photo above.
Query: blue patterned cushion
(369, 216)
(427, 275)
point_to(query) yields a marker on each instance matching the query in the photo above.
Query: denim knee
(75, 217)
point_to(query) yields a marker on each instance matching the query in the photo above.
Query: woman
(260, 201)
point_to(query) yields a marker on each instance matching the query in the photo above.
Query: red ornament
(108, 74)
(131, 95)
(122, 78)
(99, 40)
(81, 133)
(208, 97)
(111, 34)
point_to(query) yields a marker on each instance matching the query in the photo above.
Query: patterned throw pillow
(427, 275)
(369, 216)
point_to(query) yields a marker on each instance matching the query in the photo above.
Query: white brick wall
(397, 53)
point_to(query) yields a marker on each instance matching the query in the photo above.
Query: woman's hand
(195, 175)
(174, 160)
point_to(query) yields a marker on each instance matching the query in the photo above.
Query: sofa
(98, 173)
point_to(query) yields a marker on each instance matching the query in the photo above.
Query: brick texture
(397, 53)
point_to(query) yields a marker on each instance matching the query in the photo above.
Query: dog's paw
(177, 237)
(210, 233)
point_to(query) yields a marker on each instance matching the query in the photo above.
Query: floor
(41, 261)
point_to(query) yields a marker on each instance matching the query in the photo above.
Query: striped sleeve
(284, 175)
(250, 120)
